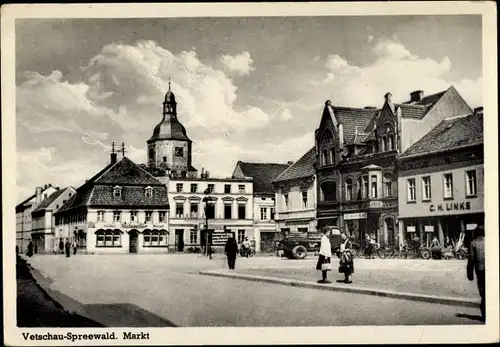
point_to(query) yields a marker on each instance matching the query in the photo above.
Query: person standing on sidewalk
(61, 246)
(68, 248)
(476, 264)
(231, 251)
(325, 254)
(74, 246)
(346, 262)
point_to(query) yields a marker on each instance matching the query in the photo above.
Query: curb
(444, 300)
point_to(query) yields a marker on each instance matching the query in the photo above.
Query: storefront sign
(451, 206)
(91, 224)
(158, 225)
(411, 229)
(470, 226)
(429, 228)
(137, 226)
(219, 238)
(351, 216)
(109, 225)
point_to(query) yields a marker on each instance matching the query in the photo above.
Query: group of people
(346, 263)
(65, 247)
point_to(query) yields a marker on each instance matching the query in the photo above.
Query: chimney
(202, 175)
(478, 110)
(114, 155)
(207, 174)
(416, 96)
(38, 197)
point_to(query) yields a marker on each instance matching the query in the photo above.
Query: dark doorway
(133, 241)
(391, 235)
(179, 239)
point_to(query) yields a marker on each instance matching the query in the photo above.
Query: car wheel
(299, 252)
(425, 254)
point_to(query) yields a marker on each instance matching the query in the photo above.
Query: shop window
(108, 238)
(426, 188)
(155, 238)
(471, 182)
(228, 209)
(448, 185)
(241, 211)
(412, 197)
(348, 189)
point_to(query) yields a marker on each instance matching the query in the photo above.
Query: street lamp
(208, 244)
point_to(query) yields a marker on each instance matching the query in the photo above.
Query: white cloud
(239, 64)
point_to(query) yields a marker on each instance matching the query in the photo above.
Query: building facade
(441, 180)
(43, 232)
(295, 191)
(356, 159)
(122, 209)
(264, 204)
(23, 214)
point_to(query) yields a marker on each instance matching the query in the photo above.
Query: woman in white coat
(325, 254)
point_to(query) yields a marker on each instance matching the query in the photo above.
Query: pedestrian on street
(231, 250)
(346, 265)
(61, 246)
(325, 254)
(68, 249)
(74, 245)
(29, 253)
(476, 264)
(56, 248)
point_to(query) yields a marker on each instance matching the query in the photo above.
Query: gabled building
(264, 207)
(43, 232)
(23, 214)
(356, 152)
(122, 209)
(296, 197)
(441, 181)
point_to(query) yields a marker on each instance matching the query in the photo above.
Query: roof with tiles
(304, 167)
(46, 203)
(263, 175)
(448, 135)
(130, 177)
(352, 119)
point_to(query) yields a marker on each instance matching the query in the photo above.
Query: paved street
(170, 287)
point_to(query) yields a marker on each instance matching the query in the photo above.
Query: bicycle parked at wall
(415, 253)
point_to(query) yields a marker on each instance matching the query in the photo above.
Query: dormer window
(117, 192)
(149, 192)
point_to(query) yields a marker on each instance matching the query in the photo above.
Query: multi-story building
(441, 181)
(356, 159)
(226, 203)
(264, 206)
(43, 232)
(296, 196)
(23, 214)
(122, 209)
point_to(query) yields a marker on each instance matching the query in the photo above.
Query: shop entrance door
(133, 241)
(179, 240)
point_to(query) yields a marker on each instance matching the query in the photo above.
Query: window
(149, 216)
(448, 186)
(471, 182)
(365, 187)
(133, 216)
(178, 187)
(211, 188)
(210, 211)
(325, 157)
(194, 187)
(164, 159)
(272, 213)
(117, 192)
(193, 209)
(329, 191)
(387, 185)
(391, 142)
(45, 196)
(359, 194)
(183, 174)
(100, 216)
(179, 151)
(227, 188)
(151, 154)
(162, 216)
(193, 237)
(117, 216)
(426, 188)
(374, 187)
(412, 196)
(179, 210)
(242, 211)
(228, 211)
(348, 189)
(241, 236)
(241, 188)
(155, 238)
(332, 155)
(263, 213)
(149, 192)
(375, 146)
(108, 238)
(304, 200)
(285, 201)
(385, 144)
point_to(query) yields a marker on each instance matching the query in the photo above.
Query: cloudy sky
(247, 88)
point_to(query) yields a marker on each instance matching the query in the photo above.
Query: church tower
(169, 148)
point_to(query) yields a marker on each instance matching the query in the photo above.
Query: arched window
(117, 192)
(384, 144)
(348, 189)
(388, 189)
(391, 142)
(329, 191)
(148, 192)
(325, 157)
(332, 155)
(359, 187)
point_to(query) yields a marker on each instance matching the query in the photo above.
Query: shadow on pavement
(126, 315)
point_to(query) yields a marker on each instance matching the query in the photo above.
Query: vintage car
(299, 246)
